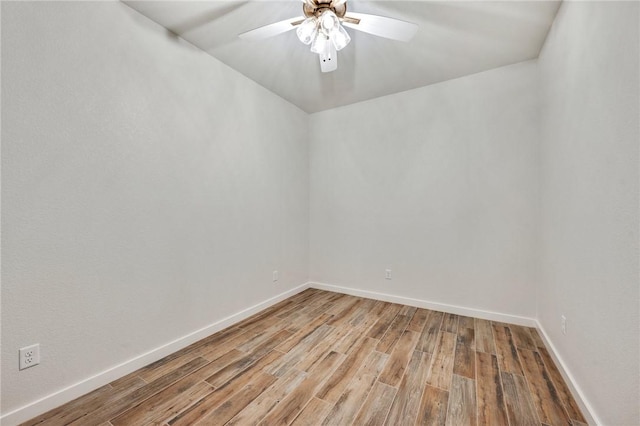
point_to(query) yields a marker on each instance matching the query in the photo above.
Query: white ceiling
(455, 38)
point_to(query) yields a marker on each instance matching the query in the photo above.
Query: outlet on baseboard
(387, 274)
(29, 356)
(563, 324)
(275, 276)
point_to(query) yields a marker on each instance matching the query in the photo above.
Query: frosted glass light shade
(320, 44)
(340, 37)
(328, 22)
(307, 30)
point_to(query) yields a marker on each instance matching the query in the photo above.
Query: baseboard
(442, 307)
(585, 407)
(78, 389)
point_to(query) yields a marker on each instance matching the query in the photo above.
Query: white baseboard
(442, 307)
(78, 389)
(585, 407)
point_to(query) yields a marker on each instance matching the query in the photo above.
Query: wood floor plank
(368, 313)
(149, 373)
(347, 343)
(298, 352)
(464, 362)
(346, 315)
(259, 337)
(292, 404)
(506, 350)
(208, 404)
(393, 333)
(339, 380)
(484, 336)
(536, 338)
(222, 375)
(349, 403)
(522, 337)
(227, 410)
(450, 323)
(407, 401)
(517, 398)
(384, 321)
(80, 407)
(544, 395)
(119, 406)
(441, 368)
(397, 363)
(407, 310)
(461, 409)
(465, 322)
(303, 333)
(214, 351)
(491, 408)
(341, 304)
(322, 349)
(376, 407)
(165, 404)
(201, 349)
(260, 406)
(216, 365)
(561, 387)
(433, 407)
(419, 320)
(429, 336)
(313, 413)
(284, 312)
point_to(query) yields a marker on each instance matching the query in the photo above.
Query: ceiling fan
(322, 27)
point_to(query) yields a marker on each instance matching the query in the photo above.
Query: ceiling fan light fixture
(307, 30)
(322, 27)
(340, 37)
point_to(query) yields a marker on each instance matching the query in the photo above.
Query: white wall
(148, 191)
(589, 197)
(439, 185)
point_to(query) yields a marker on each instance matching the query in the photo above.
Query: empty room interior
(320, 212)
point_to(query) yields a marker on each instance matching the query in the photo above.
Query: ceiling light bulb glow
(307, 30)
(328, 20)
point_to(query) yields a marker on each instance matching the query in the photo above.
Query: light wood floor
(327, 358)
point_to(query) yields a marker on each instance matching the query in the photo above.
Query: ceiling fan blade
(381, 26)
(272, 29)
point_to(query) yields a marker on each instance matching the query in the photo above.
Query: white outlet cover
(29, 356)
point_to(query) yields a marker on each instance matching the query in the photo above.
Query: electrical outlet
(387, 274)
(29, 356)
(563, 324)
(275, 276)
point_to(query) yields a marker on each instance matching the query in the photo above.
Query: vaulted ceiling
(454, 39)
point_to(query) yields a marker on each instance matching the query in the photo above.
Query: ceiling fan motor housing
(319, 6)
